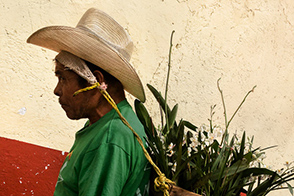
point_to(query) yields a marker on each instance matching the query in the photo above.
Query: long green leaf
(171, 119)
(257, 171)
(262, 188)
(234, 186)
(223, 164)
(152, 135)
(185, 163)
(242, 146)
(180, 134)
(143, 116)
(189, 125)
(233, 169)
(159, 98)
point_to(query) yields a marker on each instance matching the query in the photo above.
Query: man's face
(68, 83)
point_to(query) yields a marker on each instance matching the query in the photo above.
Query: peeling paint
(22, 111)
(29, 169)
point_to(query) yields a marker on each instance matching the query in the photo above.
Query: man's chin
(72, 117)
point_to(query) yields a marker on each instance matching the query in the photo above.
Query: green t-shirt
(106, 159)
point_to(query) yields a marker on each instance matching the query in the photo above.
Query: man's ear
(99, 76)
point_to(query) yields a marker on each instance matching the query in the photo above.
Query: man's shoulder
(111, 129)
(117, 128)
(120, 133)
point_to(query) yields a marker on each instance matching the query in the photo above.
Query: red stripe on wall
(27, 169)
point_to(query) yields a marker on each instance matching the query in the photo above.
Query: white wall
(246, 43)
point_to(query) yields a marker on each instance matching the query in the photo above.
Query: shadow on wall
(27, 169)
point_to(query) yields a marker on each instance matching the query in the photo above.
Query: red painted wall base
(27, 169)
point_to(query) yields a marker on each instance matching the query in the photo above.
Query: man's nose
(57, 90)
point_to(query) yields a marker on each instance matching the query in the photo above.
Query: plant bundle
(206, 159)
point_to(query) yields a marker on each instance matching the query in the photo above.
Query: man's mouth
(62, 104)
(64, 107)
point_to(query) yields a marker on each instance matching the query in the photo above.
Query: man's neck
(103, 108)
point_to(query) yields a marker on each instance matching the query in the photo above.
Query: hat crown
(102, 25)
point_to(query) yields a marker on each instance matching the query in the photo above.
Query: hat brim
(93, 49)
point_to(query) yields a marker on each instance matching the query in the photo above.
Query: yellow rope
(161, 183)
(96, 85)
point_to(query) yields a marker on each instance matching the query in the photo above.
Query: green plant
(205, 159)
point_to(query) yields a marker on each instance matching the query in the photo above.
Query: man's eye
(61, 78)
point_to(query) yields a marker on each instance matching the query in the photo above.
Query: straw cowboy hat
(99, 39)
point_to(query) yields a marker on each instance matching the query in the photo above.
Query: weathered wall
(246, 43)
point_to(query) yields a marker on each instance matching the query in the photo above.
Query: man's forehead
(59, 68)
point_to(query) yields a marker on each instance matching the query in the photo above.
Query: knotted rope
(161, 183)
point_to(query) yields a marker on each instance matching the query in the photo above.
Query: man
(105, 159)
